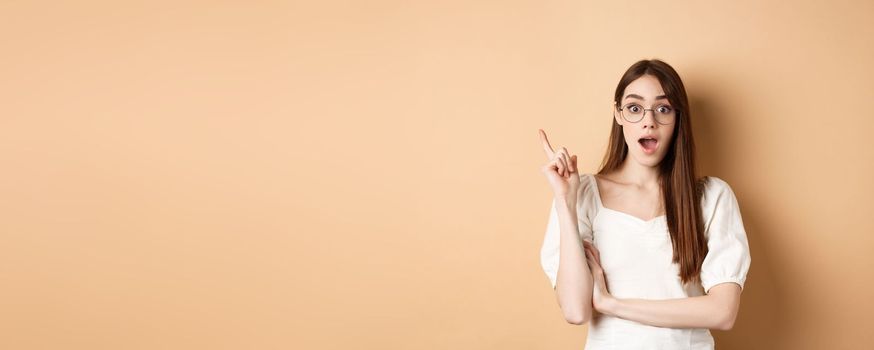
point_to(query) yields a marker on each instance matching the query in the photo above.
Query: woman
(649, 253)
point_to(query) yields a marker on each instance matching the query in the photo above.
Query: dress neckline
(601, 204)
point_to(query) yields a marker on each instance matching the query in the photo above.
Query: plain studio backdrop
(365, 174)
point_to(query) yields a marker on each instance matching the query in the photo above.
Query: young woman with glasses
(645, 251)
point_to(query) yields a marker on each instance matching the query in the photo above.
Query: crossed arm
(716, 310)
(579, 298)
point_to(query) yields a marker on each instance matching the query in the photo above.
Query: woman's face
(646, 92)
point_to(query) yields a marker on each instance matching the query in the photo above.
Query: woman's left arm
(716, 310)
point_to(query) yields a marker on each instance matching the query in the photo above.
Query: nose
(649, 119)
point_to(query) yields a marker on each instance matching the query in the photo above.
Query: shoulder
(587, 183)
(586, 195)
(712, 187)
(717, 198)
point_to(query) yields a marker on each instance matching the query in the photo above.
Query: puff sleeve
(549, 251)
(728, 258)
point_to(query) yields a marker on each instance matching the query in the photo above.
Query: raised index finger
(546, 146)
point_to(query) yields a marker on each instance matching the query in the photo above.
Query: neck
(638, 174)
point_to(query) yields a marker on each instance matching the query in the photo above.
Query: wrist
(568, 200)
(611, 305)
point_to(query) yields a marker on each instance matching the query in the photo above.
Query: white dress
(636, 257)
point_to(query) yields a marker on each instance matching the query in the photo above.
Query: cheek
(629, 142)
(626, 135)
(670, 137)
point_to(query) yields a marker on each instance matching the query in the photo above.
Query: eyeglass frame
(643, 114)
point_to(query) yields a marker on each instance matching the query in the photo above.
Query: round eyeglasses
(634, 112)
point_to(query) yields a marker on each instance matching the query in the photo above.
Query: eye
(633, 108)
(664, 109)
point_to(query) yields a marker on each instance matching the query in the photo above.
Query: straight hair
(680, 188)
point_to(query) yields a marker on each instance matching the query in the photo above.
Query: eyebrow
(659, 97)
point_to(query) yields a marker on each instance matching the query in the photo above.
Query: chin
(648, 160)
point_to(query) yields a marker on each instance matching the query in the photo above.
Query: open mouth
(648, 144)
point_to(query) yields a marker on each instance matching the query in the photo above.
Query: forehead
(646, 86)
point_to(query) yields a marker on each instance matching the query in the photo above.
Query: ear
(616, 114)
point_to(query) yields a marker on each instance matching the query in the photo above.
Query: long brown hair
(681, 189)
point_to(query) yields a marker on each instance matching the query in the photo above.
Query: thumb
(574, 163)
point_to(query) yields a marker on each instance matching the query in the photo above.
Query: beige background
(365, 175)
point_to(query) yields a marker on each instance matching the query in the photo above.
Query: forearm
(574, 280)
(707, 311)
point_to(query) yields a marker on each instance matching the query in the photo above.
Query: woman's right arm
(573, 284)
(573, 280)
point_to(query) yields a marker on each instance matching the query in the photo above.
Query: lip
(646, 151)
(654, 137)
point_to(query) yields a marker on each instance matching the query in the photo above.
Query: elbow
(577, 309)
(725, 323)
(577, 319)
(724, 326)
